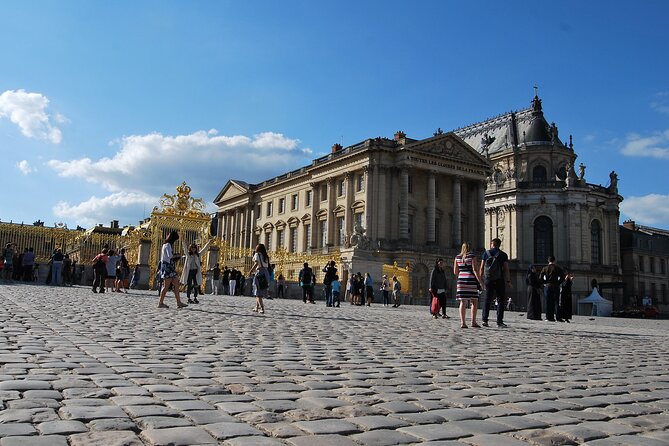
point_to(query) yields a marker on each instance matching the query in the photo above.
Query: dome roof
(538, 130)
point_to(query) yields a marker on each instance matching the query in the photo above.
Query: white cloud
(661, 102)
(24, 167)
(29, 112)
(124, 206)
(150, 165)
(653, 146)
(650, 209)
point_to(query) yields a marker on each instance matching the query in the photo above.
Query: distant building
(644, 253)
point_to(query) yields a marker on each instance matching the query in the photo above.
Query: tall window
(651, 263)
(410, 184)
(324, 192)
(411, 226)
(641, 264)
(280, 239)
(282, 205)
(269, 208)
(307, 199)
(295, 202)
(268, 241)
(293, 239)
(357, 219)
(543, 239)
(539, 173)
(324, 233)
(663, 268)
(341, 231)
(596, 242)
(360, 182)
(307, 236)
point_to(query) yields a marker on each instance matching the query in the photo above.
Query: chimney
(336, 148)
(114, 224)
(399, 135)
(629, 224)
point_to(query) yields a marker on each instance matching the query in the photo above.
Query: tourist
(350, 287)
(168, 270)
(385, 290)
(552, 276)
(18, 264)
(369, 289)
(100, 270)
(495, 272)
(336, 289)
(215, 279)
(564, 307)
(330, 271)
(122, 272)
(28, 264)
(36, 272)
(358, 289)
(135, 278)
(465, 268)
(272, 281)
(397, 292)
(307, 281)
(281, 286)
(67, 270)
(533, 294)
(57, 267)
(438, 287)
(232, 284)
(8, 255)
(226, 280)
(191, 275)
(261, 278)
(75, 273)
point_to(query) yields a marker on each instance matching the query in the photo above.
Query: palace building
(408, 202)
(378, 202)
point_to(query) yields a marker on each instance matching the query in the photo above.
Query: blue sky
(104, 106)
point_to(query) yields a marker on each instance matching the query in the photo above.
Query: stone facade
(538, 206)
(377, 202)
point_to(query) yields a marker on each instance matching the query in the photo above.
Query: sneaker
(502, 325)
(190, 301)
(261, 311)
(163, 306)
(255, 310)
(475, 325)
(485, 324)
(181, 305)
(445, 317)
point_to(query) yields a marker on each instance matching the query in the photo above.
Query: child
(336, 289)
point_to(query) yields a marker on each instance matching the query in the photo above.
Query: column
(249, 226)
(219, 227)
(381, 204)
(457, 211)
(480, 216)
(332, 200)
(350, 194)
(431, 207)
(404, 204)
(315, 201)
(369, 202)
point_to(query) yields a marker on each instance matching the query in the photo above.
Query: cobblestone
(113, 370)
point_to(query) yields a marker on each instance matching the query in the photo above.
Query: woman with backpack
(465, 268)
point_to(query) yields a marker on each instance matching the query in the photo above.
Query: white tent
(595, 305)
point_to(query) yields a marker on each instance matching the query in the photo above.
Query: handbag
(261, 281)
(436, 306)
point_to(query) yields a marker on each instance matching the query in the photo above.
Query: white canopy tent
(595, 305)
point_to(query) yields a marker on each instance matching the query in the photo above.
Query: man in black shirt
(552, 276)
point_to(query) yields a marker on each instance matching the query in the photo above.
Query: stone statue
(487, 140)
(614, 181)
(581, 172)
(359, 239)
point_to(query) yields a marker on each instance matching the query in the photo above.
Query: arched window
(539, 173)
(543, 239)
(596, 242)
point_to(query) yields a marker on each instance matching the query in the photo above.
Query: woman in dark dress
(564, 307)
(533, 294)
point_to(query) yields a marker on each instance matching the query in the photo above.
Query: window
(651, 262)
(268, 241)
(280, 239)
(341, 187)
(324, 233)
(539, 174)
(269, 208)
(411, 226)
(543, 239)
(307, 236)
(282, 205)
(259, 210)
(641, 264)
(663, 293)
(437, 235)
(360, 182)
(596, 242)
(293, 240)
(357, 219)
(410, 184)
(341, 231)
(663, 268)
(308, 198)
(324, 192)
(295, 202)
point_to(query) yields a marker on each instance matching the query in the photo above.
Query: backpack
(493, 268)
(306, 276)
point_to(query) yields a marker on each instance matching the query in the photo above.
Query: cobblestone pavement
(112, 369)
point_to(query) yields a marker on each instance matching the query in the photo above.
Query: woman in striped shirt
(465, 268)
